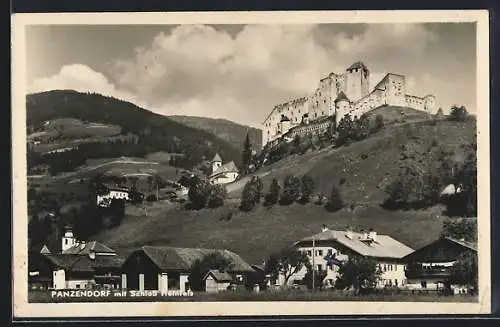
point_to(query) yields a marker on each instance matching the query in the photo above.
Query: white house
(329, 249)
(78, 265)
(223, 173)
(104, 198)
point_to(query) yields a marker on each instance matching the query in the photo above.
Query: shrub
(335, 202)
(458, 113)
(218, 194)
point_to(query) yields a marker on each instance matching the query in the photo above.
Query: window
(309, 252)
(65, 241)
(396, 282)
(423, 284)
(320, 267)
(330, 251)
(320, 252)
(385, 267)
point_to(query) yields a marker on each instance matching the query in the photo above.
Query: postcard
(250, 163)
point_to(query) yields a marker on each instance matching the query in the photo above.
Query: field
(361, 171)
(286, 295)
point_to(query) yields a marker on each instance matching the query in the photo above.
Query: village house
(217, 281)
(429, 267)
(165, 268)
(78, 265)
(329, 249)
(108, 193)
(223, 173)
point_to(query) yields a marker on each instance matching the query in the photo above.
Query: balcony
(419, 271)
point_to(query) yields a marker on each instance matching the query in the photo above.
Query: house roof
(229, 167)
(219, 276)
(341, 97)
(172, 258)
(442, 249)
(384, 246)
(217, 158)
(80, 263)
(45, 250)
(88, 247)
(358, 64)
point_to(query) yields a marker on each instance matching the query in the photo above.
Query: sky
(239, 72)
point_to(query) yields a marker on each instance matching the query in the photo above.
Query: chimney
(348, 233)
(372, 235)
(324, 228)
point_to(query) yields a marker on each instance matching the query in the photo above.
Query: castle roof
(357, 64)
(341, 97)
(217, 158)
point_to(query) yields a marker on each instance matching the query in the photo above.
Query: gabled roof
(217, 158)
(384, 246)
(341, 97)
(172, 258)
(442, 249)
(89, 247)
(45, 250)
(357, 64)
(219, 276)
(229, 167)
(81, 263)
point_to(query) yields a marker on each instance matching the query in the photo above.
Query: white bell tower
(68, 240)
(216, 163)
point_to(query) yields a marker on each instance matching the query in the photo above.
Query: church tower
(357, 81)
(68, 240)
(216, 163)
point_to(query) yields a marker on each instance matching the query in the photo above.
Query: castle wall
(391, 90)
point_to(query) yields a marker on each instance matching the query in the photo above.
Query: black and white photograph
(282, 163)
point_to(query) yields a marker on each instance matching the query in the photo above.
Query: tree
(458, 113)
(465, 271)
(273, 194)
(117, 211)
(360, 274)
(307, 188)
(251, 194)
(286, 263)
(199, 268)
(247, 154)
(345, 130)
(218, 194)
(334, 202)
(198, 193)
(362, 127)
(319, 277)
(291, 190)
(379, 123)
(463, 228)
(439, 113)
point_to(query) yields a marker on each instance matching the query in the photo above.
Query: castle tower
(68, 240)
(342, 107)
(285, 124)
(216, 162)
(357, 81)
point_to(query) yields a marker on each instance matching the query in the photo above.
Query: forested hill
(227, 130)
(155, 132)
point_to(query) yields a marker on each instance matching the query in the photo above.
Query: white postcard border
(23, 309)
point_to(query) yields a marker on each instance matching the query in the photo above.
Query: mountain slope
(155, 132)
(225, 129)
(365, 167)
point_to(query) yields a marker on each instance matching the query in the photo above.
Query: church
(223, 173)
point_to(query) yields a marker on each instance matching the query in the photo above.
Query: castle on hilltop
(336, 96)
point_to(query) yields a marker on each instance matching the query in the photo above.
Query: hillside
(225, 129)
(365, 167)
(155, 132)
